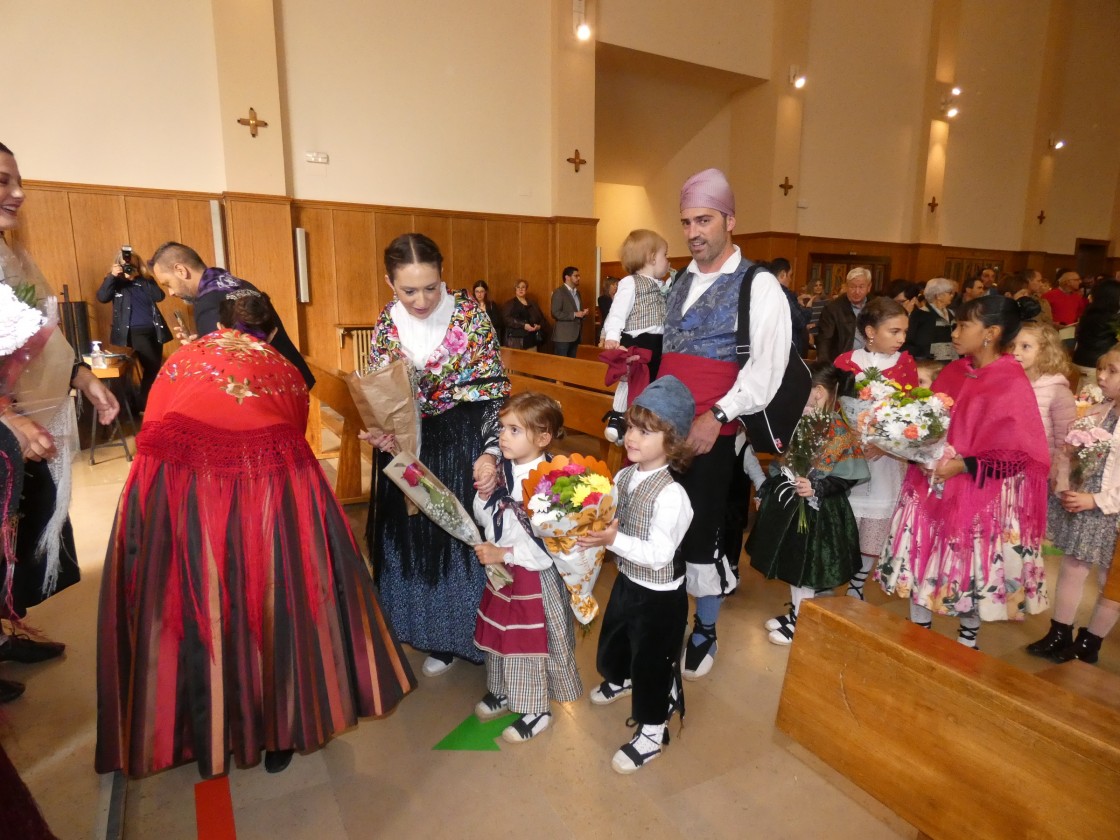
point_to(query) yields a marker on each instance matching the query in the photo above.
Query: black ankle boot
(1059, 638)
(1085, 647)
(276, 761)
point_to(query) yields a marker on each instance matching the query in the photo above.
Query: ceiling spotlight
(796, 77)
(952, 111)
(583, 31)
(956, 91)
(1056, 143)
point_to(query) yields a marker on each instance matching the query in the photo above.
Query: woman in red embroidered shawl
(237, 614)
(972, 550)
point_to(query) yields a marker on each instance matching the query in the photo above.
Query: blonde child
(637, 316)
(1045, 361)
(1083, 524)
(524, 629)
(645, 619)
(826, 553)
(883, 323)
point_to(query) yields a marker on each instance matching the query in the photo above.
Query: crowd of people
(239, 620)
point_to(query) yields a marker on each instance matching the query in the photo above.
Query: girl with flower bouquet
(644, 622)
(972, 551)
(883, 324)
(1083, 519)
(524, 628)
(805, 533)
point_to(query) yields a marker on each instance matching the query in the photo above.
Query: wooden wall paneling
(536, 255)
(387, 227)
(196, 228)
(468, 243)
(358, 269)
(47, 233)
(503, 261)
(262, 251)
(319, 317)
(100, 227)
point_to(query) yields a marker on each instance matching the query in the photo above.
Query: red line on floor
(213, 810)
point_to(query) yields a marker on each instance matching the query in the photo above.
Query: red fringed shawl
(994, 419)
(223, 446)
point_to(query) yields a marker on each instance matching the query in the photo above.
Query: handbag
(771, 429)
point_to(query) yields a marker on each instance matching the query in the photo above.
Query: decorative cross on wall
(252, 122)
(1041, 216)
(933, 205)
(785, 186)
(576, 160)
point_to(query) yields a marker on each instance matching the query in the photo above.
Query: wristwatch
(717, 412)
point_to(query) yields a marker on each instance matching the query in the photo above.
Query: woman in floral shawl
(431, 583)
(237, 614)
(971, 549)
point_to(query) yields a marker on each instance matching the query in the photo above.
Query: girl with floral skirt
(808, 535)
(883, 323)
(524, 628)
(972, 550)
(1083, 522)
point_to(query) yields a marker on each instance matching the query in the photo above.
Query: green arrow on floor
(474, 734)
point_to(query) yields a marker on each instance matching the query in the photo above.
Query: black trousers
(641, 640)
(646, 341)
(565, 348)
(150, 353)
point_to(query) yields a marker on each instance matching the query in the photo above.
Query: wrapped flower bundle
(1090, 445)
(566, 498)
(1087, 397)
(911, 423)
(804, 450)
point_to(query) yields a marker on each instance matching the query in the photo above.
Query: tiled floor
(728, 774)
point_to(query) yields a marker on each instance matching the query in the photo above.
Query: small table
(116, 372)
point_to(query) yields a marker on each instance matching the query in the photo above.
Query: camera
(125, 259)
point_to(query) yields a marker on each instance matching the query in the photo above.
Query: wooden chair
(331, 390)
(957, 743)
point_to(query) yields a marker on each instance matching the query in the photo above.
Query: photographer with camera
(137, 322)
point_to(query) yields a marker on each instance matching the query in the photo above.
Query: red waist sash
(708, 380)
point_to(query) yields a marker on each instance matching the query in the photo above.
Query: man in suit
(837, 332)
(568, 311)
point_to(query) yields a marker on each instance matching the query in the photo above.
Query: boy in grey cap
(645, 619)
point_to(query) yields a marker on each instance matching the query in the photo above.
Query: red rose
(592, 499)
(412, 475)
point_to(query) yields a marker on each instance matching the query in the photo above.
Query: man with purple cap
(699, 349)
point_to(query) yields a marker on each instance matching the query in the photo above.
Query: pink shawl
(994, 419)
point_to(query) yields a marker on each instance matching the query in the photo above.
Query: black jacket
(119, 290)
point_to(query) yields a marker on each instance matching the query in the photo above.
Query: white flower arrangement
(18, 321)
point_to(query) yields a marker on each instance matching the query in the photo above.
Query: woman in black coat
(1096, 331)
(524, 320)
(137, 322)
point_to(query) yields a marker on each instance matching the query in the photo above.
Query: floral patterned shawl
(465, 367)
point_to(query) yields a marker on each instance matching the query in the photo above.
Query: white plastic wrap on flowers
(915, 429)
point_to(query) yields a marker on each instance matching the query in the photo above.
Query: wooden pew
(957, 743)
(331, 389)
(577, 384)
(588, 352)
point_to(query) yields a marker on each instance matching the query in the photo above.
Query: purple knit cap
(708, 189)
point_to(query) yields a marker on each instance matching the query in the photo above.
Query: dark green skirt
(824, 556)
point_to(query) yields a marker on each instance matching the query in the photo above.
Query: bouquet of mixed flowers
(566, 498)
(870, 388)
(804, 451)
(1089, 446)
(911, 423)
(439, 504)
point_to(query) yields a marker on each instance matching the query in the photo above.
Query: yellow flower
(598, 483)
(581, 493)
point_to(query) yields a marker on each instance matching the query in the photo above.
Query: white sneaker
(435, 665)
(527, 727)
(643, 748)
(782, 636)
(777, 622)
(491, 706)
(607, 692)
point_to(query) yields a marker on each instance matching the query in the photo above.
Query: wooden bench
(577, 384)
(957, 743)
(331, 390)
